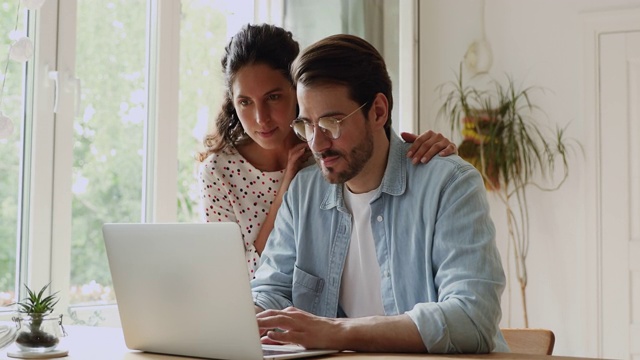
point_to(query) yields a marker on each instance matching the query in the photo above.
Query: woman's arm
(298, 156)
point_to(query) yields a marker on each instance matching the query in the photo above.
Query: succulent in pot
(37, 329)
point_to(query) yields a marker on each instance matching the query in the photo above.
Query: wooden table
(96, 343)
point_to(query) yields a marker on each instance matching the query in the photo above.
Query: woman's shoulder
(218, 162)
(220, 157)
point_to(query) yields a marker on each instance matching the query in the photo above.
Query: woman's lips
(267, 133)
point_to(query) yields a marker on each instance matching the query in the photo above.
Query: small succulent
(37, 303)
(36, 307)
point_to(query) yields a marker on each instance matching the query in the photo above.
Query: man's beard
(356, 160)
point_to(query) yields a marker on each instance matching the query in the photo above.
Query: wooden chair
(530, 341)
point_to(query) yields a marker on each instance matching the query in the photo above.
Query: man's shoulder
(308, 178)
(451, 162)
(440, 165)
(309, 173)
(442, 170)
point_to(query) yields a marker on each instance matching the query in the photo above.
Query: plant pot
(38, 332)
(482, 134)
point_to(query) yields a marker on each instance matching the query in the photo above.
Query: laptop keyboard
(269, 352)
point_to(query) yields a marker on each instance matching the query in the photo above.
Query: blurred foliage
(109, 130)
(109, 147)
(203, 37)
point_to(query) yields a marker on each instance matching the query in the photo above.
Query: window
(205, 30)
(13, 86)
(108, 116)
(108, 136)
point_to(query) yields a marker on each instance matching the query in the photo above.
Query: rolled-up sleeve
(467, 271)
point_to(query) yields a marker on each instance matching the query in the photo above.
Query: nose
(263, 115)
(320, 141)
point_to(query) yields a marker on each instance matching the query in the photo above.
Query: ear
(380, 110)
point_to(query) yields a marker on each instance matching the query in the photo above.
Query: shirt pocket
(306, 290)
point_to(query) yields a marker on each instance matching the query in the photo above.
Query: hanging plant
(504, 140)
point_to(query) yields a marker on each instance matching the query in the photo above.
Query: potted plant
(37, 330)
(504, 140)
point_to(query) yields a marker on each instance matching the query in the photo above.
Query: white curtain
(311, 20)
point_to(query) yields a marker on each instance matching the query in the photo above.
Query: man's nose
(321, 140)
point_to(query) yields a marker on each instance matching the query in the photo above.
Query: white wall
(538, 42)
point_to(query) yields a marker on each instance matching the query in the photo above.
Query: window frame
(160, 169)
(36, 178)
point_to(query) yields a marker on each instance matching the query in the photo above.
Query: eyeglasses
(329, 125)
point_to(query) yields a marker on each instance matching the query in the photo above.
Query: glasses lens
(330, 126)
(303, 129)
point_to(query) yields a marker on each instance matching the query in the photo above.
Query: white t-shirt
(231, 189)
(360, 293)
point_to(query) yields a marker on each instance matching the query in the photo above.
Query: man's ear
(380, 110)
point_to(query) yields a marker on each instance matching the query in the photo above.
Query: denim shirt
(434, 239)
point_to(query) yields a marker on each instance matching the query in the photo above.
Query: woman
(253, 154)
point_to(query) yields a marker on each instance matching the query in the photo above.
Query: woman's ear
(380, 109)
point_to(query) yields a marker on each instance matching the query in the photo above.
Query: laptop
(183, 289)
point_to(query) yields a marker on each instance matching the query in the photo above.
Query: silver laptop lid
(183, 289)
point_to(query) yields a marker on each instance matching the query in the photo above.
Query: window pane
(108, 148)
(205, 29)
(12, 92)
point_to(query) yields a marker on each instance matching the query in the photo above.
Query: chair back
(530, 341)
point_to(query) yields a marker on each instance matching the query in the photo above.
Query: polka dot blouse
(231, 189)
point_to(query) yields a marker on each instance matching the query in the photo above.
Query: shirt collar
(394, 181)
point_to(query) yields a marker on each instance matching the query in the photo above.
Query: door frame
(595, 25)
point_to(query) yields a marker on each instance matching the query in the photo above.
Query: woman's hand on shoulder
(427, 145)
(298, 156)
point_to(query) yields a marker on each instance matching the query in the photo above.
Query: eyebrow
(329, 114)
(274, 90)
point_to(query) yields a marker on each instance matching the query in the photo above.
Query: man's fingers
(268, 341)
(287, 337)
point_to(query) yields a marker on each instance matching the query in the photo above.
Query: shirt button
(379, 218)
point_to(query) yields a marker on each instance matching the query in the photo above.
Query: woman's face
(265, 102)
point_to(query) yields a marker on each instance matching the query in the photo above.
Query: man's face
(344, 158)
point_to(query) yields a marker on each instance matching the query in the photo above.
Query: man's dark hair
(349, 61)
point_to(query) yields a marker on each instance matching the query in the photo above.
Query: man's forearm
(381, 334)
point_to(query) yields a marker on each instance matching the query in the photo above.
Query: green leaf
(37, 303)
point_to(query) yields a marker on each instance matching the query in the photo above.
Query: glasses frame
(309, 124)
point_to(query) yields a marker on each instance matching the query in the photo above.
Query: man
(379, 255)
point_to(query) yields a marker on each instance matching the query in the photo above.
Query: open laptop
(183, 289)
